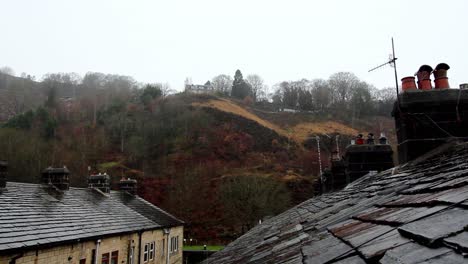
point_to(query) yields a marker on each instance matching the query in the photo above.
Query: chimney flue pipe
(408, 83)
(440, 76)
(424, 77)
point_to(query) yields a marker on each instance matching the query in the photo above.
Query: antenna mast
(392, 63)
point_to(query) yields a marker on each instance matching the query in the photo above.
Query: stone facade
(117, 249)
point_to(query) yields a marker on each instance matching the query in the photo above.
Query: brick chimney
(128, 185)
(426, 119)
(3, 173)
(100, 182)
(58, 177)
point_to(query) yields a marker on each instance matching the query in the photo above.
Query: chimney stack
(128, 185)
(58, 177)
(424, 77)
(440, 76)
(100, 182)
(3, 173)
(431, 118)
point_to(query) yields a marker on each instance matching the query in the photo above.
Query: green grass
(211, 248)
(107, 165)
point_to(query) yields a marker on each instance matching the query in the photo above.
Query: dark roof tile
(351, 260)
(414, 253)
(458, 242)
(376, 218)
(326, 249)
(375, 247)
(434, 228)
(397, 215)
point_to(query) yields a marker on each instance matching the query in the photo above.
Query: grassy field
(211, 248)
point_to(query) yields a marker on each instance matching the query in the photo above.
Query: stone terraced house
(52, 223)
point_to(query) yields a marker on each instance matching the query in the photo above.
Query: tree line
(342, 91)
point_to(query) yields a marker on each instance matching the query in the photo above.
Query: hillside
(200, 157)
(18, 95)
(299, 132)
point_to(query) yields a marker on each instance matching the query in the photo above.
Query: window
(145, 253)
(163, 246)
(151, 250)
(82, 261)
(174, 244)
(114, 257)
(105, 258)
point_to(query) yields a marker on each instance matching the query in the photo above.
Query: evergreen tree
(150, 92)
(240, 88)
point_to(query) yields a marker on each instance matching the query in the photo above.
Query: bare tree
(258, 86)
(166, 89)
(342, 85)
(222, 83)
(321, 94)
(7, 70)
(384, 98)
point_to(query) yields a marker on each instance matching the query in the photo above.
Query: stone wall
(81, 253)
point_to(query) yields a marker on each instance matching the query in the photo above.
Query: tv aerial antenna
(392, 62)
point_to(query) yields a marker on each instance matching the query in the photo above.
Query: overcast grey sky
(166, 41)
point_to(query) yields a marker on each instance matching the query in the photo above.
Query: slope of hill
(299, 132)
(18, 95)
(229, 106)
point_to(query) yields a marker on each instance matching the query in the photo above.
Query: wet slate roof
(414, 213)
(33, 215)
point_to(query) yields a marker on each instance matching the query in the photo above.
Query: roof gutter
(98, 242)
(167, 232)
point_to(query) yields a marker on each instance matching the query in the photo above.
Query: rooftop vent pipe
(58, 177)
(359, 140)
(100, 182)
(128, 185)
(3, 173)
(383, 139)
(440, 76)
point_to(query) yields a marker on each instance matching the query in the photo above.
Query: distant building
(288, 110)
(52, 223)
(207, 88)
